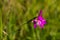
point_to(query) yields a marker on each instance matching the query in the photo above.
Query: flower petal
(40, 18)
(35, 25)
(42, 26)
(43, 21)
(34, 21)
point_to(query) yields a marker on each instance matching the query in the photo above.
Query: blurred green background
(14, 13)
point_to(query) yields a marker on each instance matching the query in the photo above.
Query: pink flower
(40, 21)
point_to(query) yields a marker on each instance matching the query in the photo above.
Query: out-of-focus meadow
(14, 15)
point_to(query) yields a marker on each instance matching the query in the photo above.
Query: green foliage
(16, 16)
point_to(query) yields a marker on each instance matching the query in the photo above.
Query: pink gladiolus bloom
(40, 21)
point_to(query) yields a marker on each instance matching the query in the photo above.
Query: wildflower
(39, 21)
